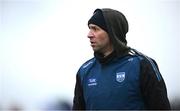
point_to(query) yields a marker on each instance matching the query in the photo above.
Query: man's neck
(107, 53)
(105, 59)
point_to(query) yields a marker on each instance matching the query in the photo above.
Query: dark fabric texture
(78, 101)
(153, 91)
(98, 19)
(117, 25)
(105, 60)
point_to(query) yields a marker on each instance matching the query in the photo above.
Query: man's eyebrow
(92, 26)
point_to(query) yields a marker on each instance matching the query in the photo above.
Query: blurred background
(44, 42)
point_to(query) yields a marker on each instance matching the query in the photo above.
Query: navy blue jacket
(132, 81)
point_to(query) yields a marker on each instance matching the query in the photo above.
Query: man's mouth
(92, 44)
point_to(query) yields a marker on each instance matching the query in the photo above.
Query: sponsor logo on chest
(92, 82)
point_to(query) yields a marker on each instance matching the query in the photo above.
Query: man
(118, 77)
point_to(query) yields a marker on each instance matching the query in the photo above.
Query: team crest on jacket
(120, 76)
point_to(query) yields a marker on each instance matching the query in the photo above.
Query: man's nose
(90, 34)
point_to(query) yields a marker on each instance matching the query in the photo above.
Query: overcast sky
(44, 42)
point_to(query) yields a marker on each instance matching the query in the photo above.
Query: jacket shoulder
(88, 63)
(85, 67)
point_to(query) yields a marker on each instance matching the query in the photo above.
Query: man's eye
(94, 28)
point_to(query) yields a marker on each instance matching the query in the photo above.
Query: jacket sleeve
(78, 101)
(153, 87)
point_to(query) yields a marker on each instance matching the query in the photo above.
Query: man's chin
(95, 50)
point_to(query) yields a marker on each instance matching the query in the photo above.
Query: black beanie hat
(98, 19)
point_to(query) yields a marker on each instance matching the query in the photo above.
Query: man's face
(99, 40)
